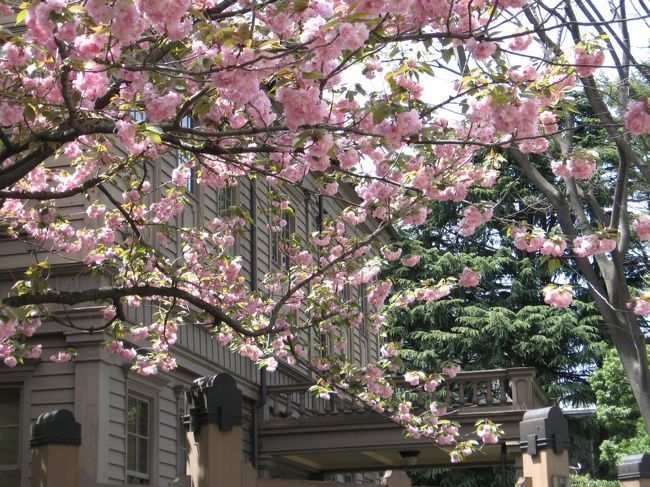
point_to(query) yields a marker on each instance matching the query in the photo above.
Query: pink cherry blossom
(431, 385)
(560, 297)
(642, 227)
(95, 211)
(10, 114)
(592, 244)
(480, 49)
(7, 328)
(10, 361)
(637, 117)
(302, 106)
(413, 378)
(451, 371)
(468, 278)
(575, 166)
(61, 357)
(554, 247)
(587, 62)
(520, 42)
(92, 82)
(110, 313)
(486, 434)
(640, 306)
(411, 261)
(392, 254)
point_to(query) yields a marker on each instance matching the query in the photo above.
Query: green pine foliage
(586, 481)
(618, 414)
(504, 322)
(501, 323)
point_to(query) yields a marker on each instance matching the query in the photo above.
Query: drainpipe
(504, 467)
(257, 407)
(321, 212)
(253, 214)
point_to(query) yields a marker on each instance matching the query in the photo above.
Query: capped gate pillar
(213, 422)
(634, 470)
(54, 442)
(544, 439)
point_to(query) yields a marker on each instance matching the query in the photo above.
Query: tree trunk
(630, 345)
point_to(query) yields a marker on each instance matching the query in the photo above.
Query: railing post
(213, 422)
(634, 470)
(395, 478)
(54, 442)
(544, 440)
(522, 387)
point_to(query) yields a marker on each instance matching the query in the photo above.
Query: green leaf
(313, 75)
(380, 112)
(20, 18)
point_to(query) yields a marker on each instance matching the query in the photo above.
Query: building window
(138, 440)
(9, 436)
(225, 199)
(362, 303)
(182, 447)
(279, 239)
(184, 157)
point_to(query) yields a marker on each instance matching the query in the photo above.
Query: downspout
(253, 213)
(257, 407)
(125, 373)
(504, 467)
(321, 213)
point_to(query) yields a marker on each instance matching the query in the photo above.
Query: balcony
(303, 433)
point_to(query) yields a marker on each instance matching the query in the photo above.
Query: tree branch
(114, 294)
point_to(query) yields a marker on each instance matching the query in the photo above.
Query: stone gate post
(213, 422)
(54, 442)
(544, 438)
(634, 470)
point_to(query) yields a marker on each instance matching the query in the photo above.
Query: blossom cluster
(153, 113)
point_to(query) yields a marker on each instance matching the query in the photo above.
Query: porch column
(634, 470)
(213, 426)
(395, 478)
(55, 441)
(544, 435)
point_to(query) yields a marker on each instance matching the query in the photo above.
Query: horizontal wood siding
(167, 432)
(198, 340)
(247, 431)
(117, 428)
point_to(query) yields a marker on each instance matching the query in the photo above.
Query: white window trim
(235, 194)
(145, 389)
(134, 473)
(21, 377)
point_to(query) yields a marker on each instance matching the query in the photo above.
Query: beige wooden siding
(117, 415)
(198, 341)
(167, 445)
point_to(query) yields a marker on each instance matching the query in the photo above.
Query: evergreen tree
(504, 321)
(618, 414)
(505, 314)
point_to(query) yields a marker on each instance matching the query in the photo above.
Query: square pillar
(55, 441)
(213, 426)
(544, 440)
(634, 470)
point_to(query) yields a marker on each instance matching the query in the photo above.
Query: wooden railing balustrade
(501, 390)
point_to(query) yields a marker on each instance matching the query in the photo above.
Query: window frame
(280, 259)
(134, 473)
(149, 390)
(18, 425)
(183, 157)
(20, 377)
(362, 303)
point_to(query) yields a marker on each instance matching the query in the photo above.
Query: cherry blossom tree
(338, 99)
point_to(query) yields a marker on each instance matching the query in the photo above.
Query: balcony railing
(497, 390)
